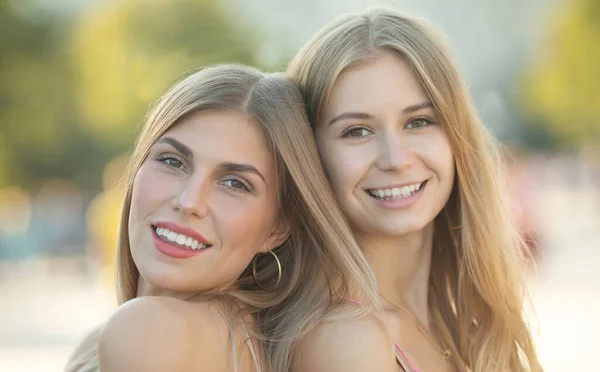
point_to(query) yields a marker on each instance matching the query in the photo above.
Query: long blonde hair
(321, 261)
(477, 290)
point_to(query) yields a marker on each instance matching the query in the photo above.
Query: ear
(278, 236)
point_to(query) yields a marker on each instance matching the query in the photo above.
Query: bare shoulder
(347, 345)
(163, 334)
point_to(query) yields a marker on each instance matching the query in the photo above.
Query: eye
(418, 123)
(356, 132)
(172, 161)
(236, 184)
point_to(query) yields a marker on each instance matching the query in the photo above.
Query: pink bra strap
(353, 301)
(406, 358)
(395, 344)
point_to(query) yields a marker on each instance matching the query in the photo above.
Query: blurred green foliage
(75, 87)
(562, 84)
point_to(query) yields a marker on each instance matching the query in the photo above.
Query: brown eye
(235, 184)
(172, 161)
(418, 123)
(359, 132)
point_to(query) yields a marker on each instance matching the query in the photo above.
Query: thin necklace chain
(445, 352)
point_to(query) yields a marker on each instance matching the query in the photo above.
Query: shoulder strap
(403, 360)
(401, 357)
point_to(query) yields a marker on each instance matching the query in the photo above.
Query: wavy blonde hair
(321, 262)
(477, 291)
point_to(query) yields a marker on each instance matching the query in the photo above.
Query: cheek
(151, 189)
(436, 152)
(344, 165)
(446, 156)
(243, 223)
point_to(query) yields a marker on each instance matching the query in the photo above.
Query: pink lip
(182, 230)
(173, 250)
(401, 203)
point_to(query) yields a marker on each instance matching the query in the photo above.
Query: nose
(395, 152)
(193, 199)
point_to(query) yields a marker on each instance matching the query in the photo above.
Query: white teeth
(183, 240)
(405, 191)
(395, 192)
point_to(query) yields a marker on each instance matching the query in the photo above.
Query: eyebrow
(183, 149)
(237, 167)
(417, 107)
(364, 115)
(350, 115)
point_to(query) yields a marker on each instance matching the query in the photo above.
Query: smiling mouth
(395, 192)
(179, 240)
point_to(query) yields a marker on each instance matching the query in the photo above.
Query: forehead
(386, 80)
(224, 136)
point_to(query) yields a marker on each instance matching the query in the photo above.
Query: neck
(401, 265)
(146, 289)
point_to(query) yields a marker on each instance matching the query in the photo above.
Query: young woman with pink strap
(417, 175)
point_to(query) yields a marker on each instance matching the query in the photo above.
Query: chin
(399, 232)
(403, 229)
(169, 279)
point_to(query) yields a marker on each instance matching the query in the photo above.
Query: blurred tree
(127, 53)
(35, 114)
(561, 87)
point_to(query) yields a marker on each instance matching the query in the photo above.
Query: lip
(401, 203)
(182, 230)
(173, 250)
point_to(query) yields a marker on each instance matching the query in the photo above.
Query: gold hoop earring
(279, 270)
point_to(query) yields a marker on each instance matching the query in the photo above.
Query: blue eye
(418, 123)
(356, 132)
(235, 184)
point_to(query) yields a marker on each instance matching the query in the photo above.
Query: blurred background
(78, 76)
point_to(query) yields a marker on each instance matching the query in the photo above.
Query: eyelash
(245, 186)
(425, 119)
(346, 133)
(166, 157)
